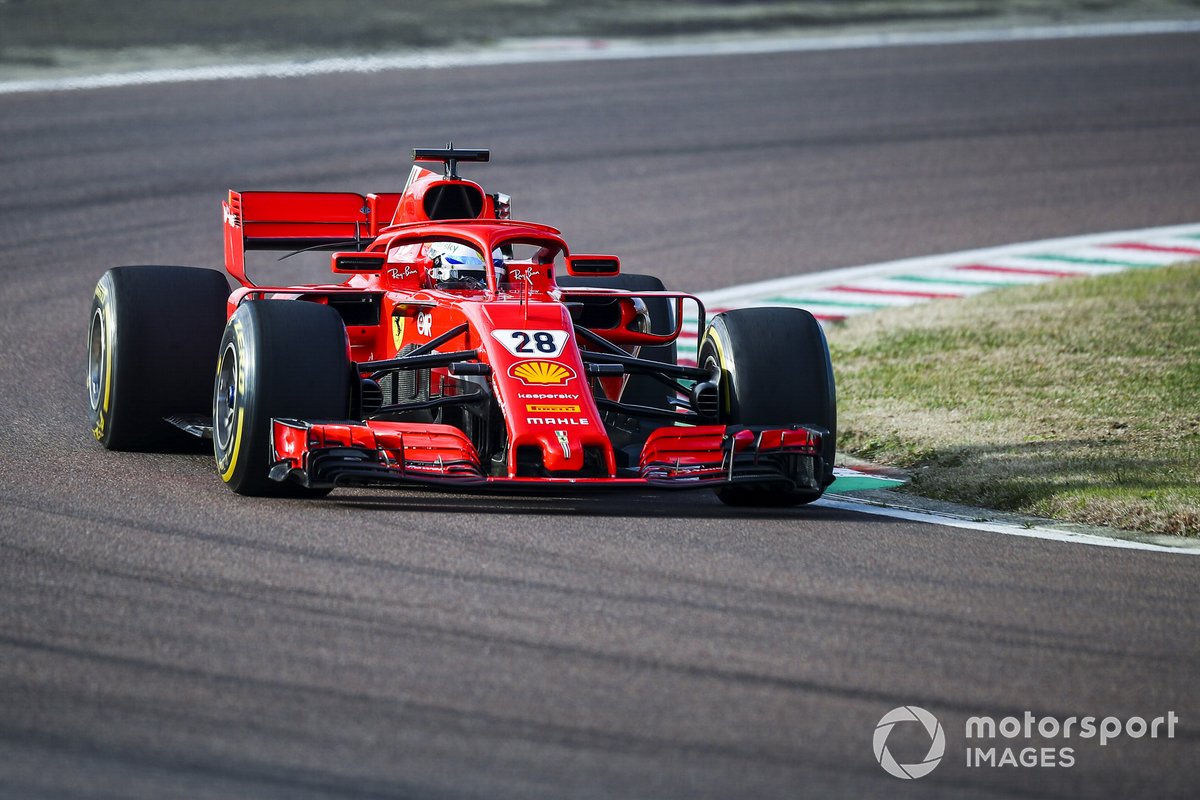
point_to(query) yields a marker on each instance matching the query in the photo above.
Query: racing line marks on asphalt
(593, 49)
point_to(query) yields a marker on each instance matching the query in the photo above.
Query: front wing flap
(377, 453)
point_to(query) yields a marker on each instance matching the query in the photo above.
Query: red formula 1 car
(456, 353)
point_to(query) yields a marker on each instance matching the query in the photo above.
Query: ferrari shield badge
(398, 331)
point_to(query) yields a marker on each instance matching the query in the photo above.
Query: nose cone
(570, 451)
(561, 451)
(554, 427)
(563, 448)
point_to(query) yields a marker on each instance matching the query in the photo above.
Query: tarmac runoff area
(837, 294)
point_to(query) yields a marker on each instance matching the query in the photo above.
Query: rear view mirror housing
(593, 266)
(358, 262)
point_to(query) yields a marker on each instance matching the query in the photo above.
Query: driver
(458, 266)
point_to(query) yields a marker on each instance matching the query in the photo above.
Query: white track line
(1186, 547)
(595, 50)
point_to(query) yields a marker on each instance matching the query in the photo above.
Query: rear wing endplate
(299, 221)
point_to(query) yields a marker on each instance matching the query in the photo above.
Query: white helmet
(458, 266)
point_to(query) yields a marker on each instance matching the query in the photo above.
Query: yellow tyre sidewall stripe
(235, 447)
(108, 318)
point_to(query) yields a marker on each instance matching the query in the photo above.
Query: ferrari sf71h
(455, 348)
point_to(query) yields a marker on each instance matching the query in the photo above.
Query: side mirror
(358, 262)
(593, 266)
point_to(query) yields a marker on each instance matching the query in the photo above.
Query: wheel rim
(225, 399)
(708, 360)
(97, 354)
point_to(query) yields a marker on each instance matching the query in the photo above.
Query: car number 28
(532, 344)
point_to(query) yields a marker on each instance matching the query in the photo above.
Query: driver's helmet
(458, 266)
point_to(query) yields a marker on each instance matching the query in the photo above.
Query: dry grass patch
(1078, 400)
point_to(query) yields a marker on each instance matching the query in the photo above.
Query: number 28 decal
(532, 344)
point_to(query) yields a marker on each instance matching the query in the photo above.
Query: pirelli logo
(551, 408)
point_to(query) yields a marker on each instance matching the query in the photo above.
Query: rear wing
(299, 221)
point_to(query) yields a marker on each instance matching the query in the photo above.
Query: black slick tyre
(277, 358)
(775, 370)
(153, 333)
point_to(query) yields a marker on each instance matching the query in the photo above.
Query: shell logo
(541, 373)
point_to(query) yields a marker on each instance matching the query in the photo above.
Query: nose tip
(562, 451)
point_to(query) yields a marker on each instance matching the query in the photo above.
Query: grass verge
(1077, 401)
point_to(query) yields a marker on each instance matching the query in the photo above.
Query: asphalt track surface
(160, 637)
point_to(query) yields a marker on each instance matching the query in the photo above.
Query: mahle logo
(937, 744)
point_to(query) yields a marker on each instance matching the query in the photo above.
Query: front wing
(378, 453)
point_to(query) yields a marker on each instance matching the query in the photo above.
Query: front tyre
(277, 359)
(775, 370)
(152, 337)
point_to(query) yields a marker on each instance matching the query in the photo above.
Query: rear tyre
(152, 339)
(775, 370)
(277, 358)
(641, 390)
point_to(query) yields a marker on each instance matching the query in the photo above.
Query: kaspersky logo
(541, 373)
(937, 742)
